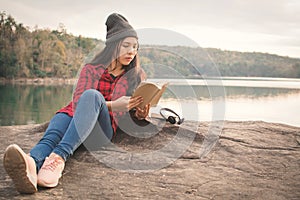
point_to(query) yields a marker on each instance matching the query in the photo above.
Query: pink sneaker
(21, 168)
(51, 171)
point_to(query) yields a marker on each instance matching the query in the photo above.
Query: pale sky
(268, 26)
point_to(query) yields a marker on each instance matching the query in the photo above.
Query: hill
(191, 62)
(32, 53)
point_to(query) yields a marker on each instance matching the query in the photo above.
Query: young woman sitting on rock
(102, 95)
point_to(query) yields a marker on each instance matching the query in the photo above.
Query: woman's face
(128, 50)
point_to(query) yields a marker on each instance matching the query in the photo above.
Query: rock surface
(251, 160)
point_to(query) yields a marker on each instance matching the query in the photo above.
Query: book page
(147, 91)
(158, 95)
(150, 92)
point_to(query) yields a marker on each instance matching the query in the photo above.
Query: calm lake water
(267, 99)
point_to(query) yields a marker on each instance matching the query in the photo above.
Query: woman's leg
(91, 112)
(53, 135)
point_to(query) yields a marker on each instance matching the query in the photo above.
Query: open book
(151, 93)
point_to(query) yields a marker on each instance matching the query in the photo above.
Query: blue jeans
(90, 126)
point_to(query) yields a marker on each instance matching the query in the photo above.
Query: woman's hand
(125, 103)
(142, 113)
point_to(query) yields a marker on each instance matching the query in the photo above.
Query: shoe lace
(52, 163)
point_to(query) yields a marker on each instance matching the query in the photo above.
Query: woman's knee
(92, 93)
(91, 97)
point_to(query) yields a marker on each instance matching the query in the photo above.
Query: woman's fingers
(135, 101)
(142, 113)
(138, 113)
(147, 108)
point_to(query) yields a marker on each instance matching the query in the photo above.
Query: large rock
(250, 160)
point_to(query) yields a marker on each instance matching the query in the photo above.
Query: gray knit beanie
(118, 28)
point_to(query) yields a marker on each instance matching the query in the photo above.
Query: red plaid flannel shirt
(97, 77)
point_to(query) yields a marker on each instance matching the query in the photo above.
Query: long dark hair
(133, 71)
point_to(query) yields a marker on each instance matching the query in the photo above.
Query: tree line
(32, 53)
(39, 52)
(195, 62)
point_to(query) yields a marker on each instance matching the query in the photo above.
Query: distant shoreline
(39, 81)
(290, 83)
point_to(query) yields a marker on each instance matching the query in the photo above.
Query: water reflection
(202, 92)
(279, 108)
(25, 104)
